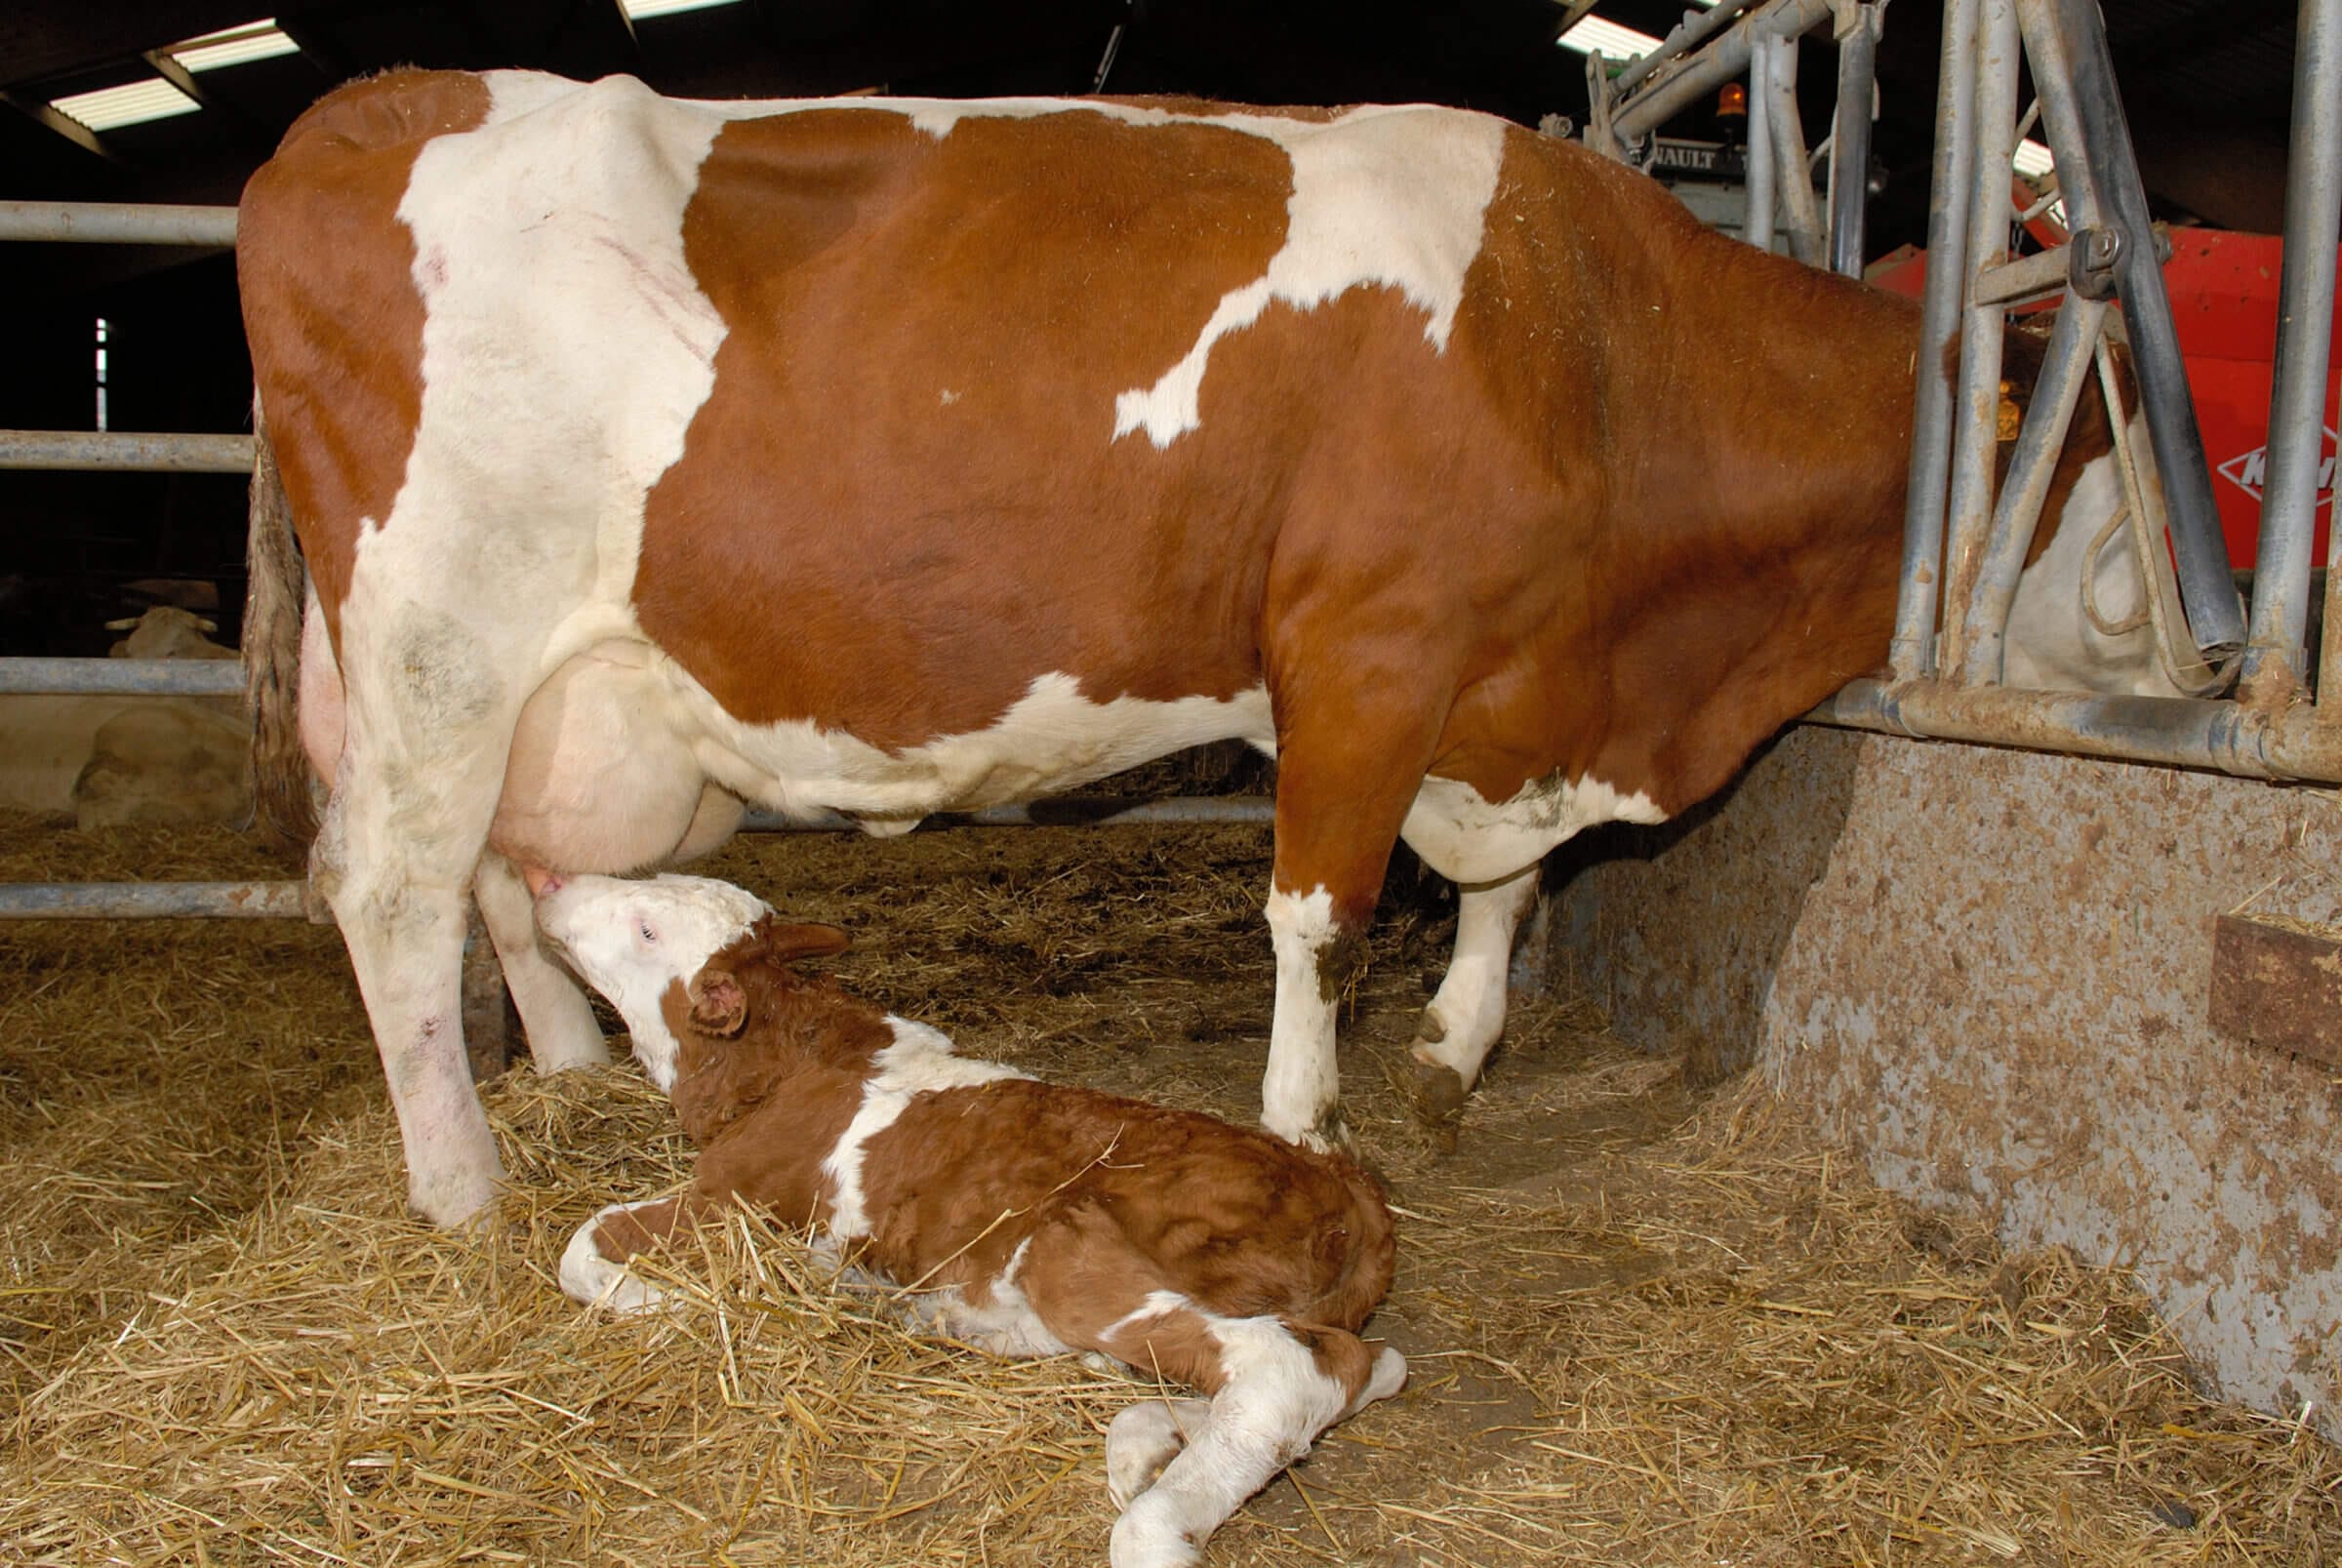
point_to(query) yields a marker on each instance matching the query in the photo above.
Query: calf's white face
(630, 939)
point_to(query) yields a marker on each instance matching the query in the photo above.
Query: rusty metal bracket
(2091, 256)
(2278, 985)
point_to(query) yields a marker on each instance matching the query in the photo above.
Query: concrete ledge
(1990, 971)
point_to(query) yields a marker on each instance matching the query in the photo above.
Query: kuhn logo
(2248, 469)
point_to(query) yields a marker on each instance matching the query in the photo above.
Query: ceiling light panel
(637, 10)
(234, 46)
(112, 108)
(1615, 42)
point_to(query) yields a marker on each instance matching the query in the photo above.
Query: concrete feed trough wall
(1990, 970)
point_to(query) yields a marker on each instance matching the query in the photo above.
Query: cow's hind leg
(1462, 1024)
(421, 768)
(559, 1020)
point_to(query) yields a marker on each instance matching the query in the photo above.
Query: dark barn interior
(2207, 86)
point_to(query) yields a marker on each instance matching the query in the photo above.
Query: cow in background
(653, 457)
(110, 760)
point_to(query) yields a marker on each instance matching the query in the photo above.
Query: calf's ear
(784, 943)
(718, 1006)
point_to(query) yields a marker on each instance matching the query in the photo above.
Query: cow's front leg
(559, 1020)
(1343, 783)
(1462, 1024)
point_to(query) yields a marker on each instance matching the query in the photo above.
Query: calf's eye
(648, 934)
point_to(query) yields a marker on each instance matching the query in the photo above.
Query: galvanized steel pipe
(1756, 223)
(1976, 414)
(117, 223)
(1722, 61)
(2175, 731)
(1695, 29)
(1912, 653)
(123, 677)
(1850, 142)
(2065, 370)
(2305, 315)
(1066, 811)
(126, 450)
(2207, 588)
(1776, 98)
(152, 901)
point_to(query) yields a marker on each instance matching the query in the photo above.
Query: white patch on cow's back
(1465, 838)
(1389, 195)
(1393, 198)
(919, 1062)
(1053, 737)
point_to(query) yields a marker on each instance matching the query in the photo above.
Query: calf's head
(641, 943)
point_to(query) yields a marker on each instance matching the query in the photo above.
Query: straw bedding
(1648, 1323)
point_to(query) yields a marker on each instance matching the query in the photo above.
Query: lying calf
(1029, 1219)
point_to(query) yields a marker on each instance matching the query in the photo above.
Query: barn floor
(1649, 1321)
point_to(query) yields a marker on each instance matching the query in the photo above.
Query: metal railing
(1966, 542)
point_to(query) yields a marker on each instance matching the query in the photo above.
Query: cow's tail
(284, 809)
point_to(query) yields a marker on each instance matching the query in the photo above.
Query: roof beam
(169, 68)
(81, 135)
(45, 38)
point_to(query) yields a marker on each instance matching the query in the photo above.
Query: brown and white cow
(894, 456)
(1027, 1218)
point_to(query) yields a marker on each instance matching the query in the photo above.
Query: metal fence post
(1912, 653)
(1976, 414)
(2280, 582)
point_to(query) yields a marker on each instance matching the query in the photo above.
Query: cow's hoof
(1435, 1092)
(456, 1202)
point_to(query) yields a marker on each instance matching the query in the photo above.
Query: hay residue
(1648, 1324)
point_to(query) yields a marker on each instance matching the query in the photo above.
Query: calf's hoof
(593, 1280)
(1148, 1536)
(1144, 1439)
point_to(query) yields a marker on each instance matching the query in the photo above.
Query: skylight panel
(234, 46)
(1615, 42)
(636, 10)
(135, 104)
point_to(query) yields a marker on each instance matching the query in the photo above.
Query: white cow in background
(106, 760)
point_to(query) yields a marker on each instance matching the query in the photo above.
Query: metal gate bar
(2281, 590)
(117, 223)
(284, 899)
(125, 677)
(133, 451)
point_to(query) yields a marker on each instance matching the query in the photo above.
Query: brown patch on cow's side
(330, 306)
(1238, 1221)
(911, 430)
(620, 1236)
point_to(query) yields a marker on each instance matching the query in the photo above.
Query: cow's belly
(622, 760)
(1469, 839)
